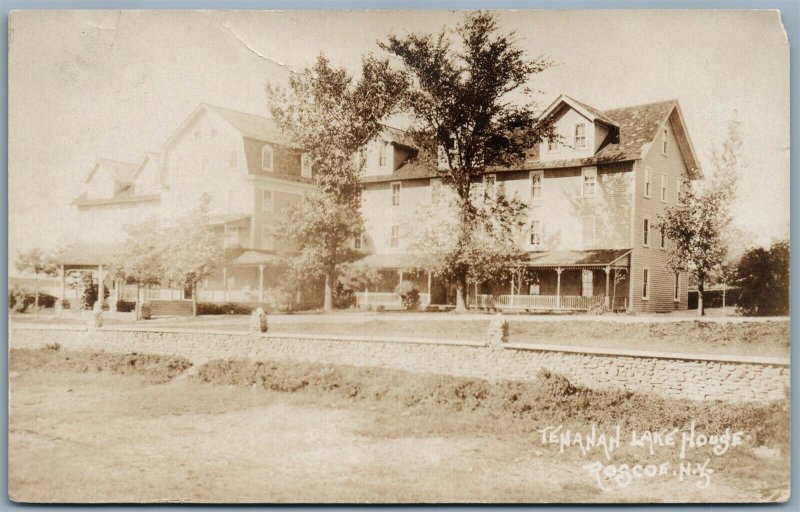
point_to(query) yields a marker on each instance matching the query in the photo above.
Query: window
(357, 241)
(231, 236)
(587, 283)
(267, 239)
(382, 155)
(645, 284)
(646, 233)
(580, 135)
(232, 158)
(647, 181)
(536, 232)
(676, 294)
(214, 133)
(536, 184)
(488, 183)
(663, 240)
(589, 181)
(664, 140)
(587, 229)
(396, 194)
(395, 240)
(436, 190)
(267, 201)
(663, 188)
(552, 142)
(266, 158)
(305, 165)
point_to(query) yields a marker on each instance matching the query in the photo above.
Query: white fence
(545, 302)
(387, 299)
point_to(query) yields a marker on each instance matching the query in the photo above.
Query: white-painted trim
(646, 239)
(399, 192)
(541, 186)
(664, 190)
(593, 170)
(648, 283)
(264, 148)
(647, 183)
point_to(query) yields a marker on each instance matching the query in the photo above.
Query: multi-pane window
(536, 184)
(663, 188)
(663, 239)
(267, 238)
(436, 190)
(676, 294)
(489, 181)
(646, 232)
(382, 155)
(587, 283)
(552, 142)
(589, 181)
(395, 240)
(648, 178)
(645, 284)
(267, 201)
(536, 232)
(305, 165)
(396, 194)
(679, 184)
(587, 229)
(664, 140)
(266, 158)
(580, 135)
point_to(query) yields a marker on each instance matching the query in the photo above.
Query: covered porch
(562, 281)
(393, 269)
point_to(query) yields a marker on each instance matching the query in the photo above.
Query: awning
(592, 258)
(86, 254)
(251, 257)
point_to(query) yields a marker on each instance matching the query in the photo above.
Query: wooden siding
(281, 200)
(285, 162)
(653, 257)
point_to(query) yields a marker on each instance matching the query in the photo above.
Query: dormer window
(580, 135)
(382, 155)
(664, 140)
(266, 158)
(305, 165)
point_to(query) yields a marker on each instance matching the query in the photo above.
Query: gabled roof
(586, 111)
(397, 136)
(119, 171)
(149, 156)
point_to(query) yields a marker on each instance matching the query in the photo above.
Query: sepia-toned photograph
(398, 256)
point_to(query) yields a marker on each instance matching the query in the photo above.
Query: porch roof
(86, 254)
(590, 258)
(253, 257)
(398, 261)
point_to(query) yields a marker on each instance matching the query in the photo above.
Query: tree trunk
(461, 296)
(327, 304)
(36, 299)
(194, 299)
(138, 300)
(700, 291)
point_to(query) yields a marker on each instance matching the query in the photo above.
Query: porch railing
(387, 299)
(545, 302)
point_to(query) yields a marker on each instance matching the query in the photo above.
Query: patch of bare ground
(288, 432)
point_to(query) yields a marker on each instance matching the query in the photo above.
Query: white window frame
(534, 188)
(663, 188)
(587, 284)
(436, 190)
(663, 240)
(394, 238)
(646, 283)
(582, 137)
(538, 232)
(231, 236)
(676, 288)
(267, 201)
(554, 143)
(264, 149)
(305, 165)
(489, 182)
(583, 229)
(648, 182)
(664, 141)
(383, 154)
(646, 228)
(587, 172)
(395, 189)
(267, 234)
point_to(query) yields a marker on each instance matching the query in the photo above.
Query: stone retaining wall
(680, 375)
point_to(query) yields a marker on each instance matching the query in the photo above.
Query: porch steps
(170, 307)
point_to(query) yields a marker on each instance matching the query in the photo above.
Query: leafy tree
(140, 261)
(35, 262)
(192, 251)
(763, 279)
(464, 121)
(699, 223)
(331, 116)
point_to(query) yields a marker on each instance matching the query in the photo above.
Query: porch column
(608, 274)
(225, 284)
(429, 288)
(400, 274)
(558, 287)
(261, 282)
(366, 295)
(512, 289)
(114, 297)
(101, 289)
(63, 296)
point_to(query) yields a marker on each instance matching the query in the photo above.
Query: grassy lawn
(84, 428)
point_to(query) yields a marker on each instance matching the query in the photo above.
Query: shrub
(65, 304)
(409, 295)
(224, 308)
(147, 311)
(763, 280)
(21, 299)
(124, 306)
(598, 309)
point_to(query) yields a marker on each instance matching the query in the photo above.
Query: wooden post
(608, 276)
(558, 287)
(429, 288)
(399, 298)
(63, 296)
(101, 289)
(261, 283)
(225, 284)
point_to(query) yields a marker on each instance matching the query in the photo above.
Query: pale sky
(84, 85)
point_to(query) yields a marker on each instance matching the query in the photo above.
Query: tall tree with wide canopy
(331, 115)
(140, 260)
(472, 109)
